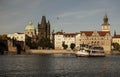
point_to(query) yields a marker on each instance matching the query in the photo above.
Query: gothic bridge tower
(44, 28)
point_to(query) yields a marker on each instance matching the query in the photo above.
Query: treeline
(43, 43)
(116, 46)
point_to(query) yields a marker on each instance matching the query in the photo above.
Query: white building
(17, 36)
(58, 40)
(67, 38)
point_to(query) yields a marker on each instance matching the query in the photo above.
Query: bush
(72, 46)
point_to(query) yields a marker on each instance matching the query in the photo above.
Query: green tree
(3, 37)
(116, 46)
(44, 43)
(28, 41)
(64, 45)
(72, 46)
(31, 44)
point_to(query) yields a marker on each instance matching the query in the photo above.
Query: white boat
(97, 52)
(82, 53)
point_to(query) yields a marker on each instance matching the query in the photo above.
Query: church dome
(30, 26)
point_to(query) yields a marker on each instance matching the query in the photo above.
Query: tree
(44, 43)
(116, 46)
(64, 45)
(19, 48)
(3, 37)
(72, 46)
(31, 44)
(3, 46)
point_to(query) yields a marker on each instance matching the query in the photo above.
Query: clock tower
(105, 25)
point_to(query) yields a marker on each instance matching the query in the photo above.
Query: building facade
(30, 30)
(116, 38)
(67, 38)
(17, 36)
(58, 40)
(92, 38)
(44, 29)
(98, 38)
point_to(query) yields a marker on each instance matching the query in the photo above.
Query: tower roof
(43, 21)
(30, 26)
(105, 19)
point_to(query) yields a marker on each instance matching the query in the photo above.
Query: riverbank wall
(32, 51)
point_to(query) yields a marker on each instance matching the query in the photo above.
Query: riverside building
(98, 38)
(116, 38)
(92, 38)
(67, 38)
(17, 36)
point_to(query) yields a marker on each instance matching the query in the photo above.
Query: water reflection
(58, 66)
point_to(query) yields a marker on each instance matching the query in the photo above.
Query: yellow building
(98, 38)
(116, 39)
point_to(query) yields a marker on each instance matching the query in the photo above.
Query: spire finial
(105, 19)
(30, 22)
(114, 32)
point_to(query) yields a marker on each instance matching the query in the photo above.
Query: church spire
(114, 32)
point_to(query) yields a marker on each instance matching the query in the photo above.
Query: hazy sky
(68, 15)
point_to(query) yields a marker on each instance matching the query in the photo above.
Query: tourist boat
(97, 52)
(82, 53)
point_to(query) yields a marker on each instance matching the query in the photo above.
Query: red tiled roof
(69, 34)
(66, 34)
(89, 33)
(116, 36)
(59, 33)
(103, 33)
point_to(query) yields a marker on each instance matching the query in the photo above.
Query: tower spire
(105, 19)
(105, 25)
(114, 32)
(43, 20)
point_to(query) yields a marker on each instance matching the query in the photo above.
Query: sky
(67, 15)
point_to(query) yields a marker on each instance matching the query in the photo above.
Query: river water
(58, 66)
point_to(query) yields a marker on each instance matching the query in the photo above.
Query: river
(58, 66)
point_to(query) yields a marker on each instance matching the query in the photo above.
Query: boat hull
(82, 53)
(97, 55)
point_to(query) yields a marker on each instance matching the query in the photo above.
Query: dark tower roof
(114, 32)
(105, 19)
(48, 22)
(43, 21)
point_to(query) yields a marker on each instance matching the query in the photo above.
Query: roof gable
(89, 33)
(116, 36)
